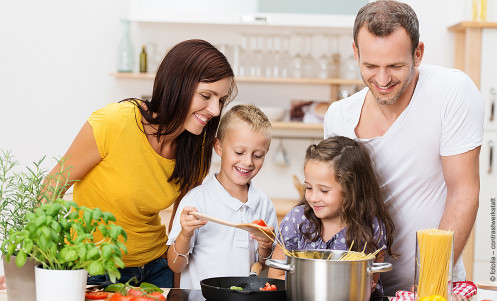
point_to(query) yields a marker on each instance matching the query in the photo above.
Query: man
(424, 125)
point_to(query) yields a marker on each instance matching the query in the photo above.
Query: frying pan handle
(256, 269)
(279, 264)
(380, 267)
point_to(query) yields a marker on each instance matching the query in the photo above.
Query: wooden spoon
(252, 228)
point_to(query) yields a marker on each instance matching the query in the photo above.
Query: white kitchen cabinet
(475, 46)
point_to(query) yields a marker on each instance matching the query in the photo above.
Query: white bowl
(273, 113)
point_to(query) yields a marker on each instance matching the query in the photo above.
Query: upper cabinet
(310, 13)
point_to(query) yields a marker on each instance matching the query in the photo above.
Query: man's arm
(461, 173)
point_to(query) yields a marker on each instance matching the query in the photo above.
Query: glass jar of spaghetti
(434, 262)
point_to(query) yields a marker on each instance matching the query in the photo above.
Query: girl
(343, 203)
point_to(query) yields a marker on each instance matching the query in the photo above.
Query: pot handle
(380, 267)
(279, 264)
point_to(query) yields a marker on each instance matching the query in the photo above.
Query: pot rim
(339, 252)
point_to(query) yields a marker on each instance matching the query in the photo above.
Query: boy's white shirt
(217, 250)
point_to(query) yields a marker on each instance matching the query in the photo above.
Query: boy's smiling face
(242, 153)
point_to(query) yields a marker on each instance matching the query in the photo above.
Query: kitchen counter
(171, 295)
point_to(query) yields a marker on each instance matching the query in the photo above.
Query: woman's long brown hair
(363, 197)
(182, 69)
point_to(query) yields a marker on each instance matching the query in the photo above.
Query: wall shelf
(274, 80)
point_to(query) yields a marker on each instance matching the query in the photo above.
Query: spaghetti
(434, 262)
(349, 256)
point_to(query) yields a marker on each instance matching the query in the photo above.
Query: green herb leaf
(27, 245)
(150, 288)
(96, 268)
(21, 258)
(116, 287)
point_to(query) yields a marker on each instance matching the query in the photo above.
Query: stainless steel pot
(320, 275)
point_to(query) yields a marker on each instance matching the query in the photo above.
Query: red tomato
(134, 292)
(260, 222)
(268, 287)
(150, 297)
(119, 297)
(96, 295)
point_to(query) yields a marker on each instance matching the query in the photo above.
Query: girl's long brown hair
(363, 198)
(182, 69)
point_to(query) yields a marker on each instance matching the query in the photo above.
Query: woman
(135, 158)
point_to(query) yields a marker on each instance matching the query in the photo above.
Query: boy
(199, 250)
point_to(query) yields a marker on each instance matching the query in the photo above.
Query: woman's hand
(189, 222)
(3, 285)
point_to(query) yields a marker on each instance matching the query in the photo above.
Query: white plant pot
(60, 285)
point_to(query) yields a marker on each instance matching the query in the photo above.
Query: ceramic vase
(20, 281)
(70, 284)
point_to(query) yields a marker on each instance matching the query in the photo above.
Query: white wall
(56, 56)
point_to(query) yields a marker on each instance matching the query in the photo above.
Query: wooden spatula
(252, 228)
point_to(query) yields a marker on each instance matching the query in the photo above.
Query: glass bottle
(143, 60)
(125, 56)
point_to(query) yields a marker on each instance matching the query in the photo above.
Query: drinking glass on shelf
(257, 50)
(324, 61)
(276, 55)
(244, 57)
(285, 57)
(297, 58)
(267, 56)
(308, 64)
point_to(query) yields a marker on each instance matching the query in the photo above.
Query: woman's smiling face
(206, 104)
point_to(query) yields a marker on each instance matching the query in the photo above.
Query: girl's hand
(2, 283)
(189, 222)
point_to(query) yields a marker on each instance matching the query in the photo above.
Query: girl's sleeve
(289, 229)
(380, 234)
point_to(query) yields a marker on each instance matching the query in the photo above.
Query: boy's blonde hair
(249, 114)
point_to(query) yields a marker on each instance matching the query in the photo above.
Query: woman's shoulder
(115, 112)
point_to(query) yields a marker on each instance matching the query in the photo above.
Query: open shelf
(274, 80)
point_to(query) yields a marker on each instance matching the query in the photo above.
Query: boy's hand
(189, 222)
(265, 243)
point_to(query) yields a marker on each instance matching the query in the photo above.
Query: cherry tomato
(96, 295)
(119, 297)
(150, 297)
(134, 292)
(260, 222)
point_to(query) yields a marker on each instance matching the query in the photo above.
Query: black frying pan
(219, 289)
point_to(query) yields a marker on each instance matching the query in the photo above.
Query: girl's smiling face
(242, 153)
(322, 191)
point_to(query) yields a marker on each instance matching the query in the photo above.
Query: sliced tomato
(96, 295)
(268, 287)
(260, 222)
(119, 297)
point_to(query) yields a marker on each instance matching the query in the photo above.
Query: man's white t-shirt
(443, 118)
(217, 250)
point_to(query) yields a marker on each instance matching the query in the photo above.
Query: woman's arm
(81, 156)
